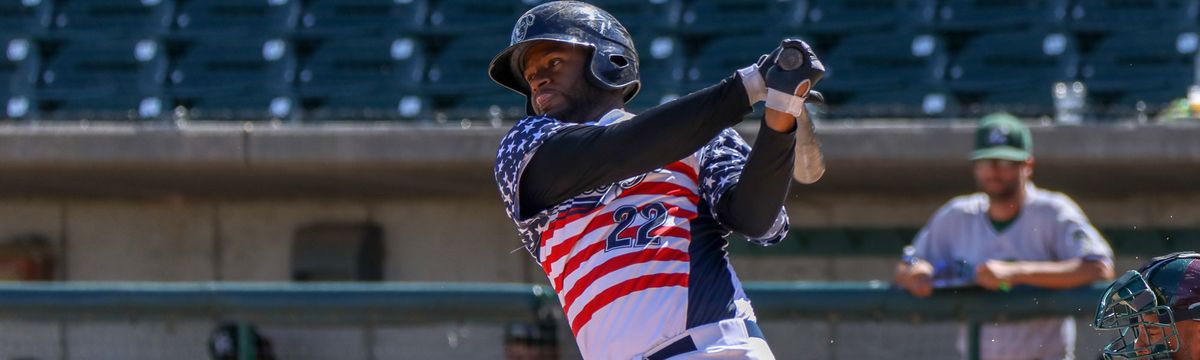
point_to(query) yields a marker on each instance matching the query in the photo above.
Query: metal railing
(382, 303)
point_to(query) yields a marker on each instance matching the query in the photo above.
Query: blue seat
(912, 103)
(474, 17)
(731, 17)
(234, 18)
(249, 79)
(1123, 15)
(1012, 61)
(993, 15)
(342, 18)
(1151, 67)
(663, 67)
(23, 18)
(112, 18)
(362, 77)
(861, 16)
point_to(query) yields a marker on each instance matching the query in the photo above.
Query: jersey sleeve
(931, 243)
(516, 148)
(721, 164)
(1077, 238)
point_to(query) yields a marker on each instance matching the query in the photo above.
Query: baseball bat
(808, 164)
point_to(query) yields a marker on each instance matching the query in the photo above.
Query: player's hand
(994, 275)
(916, 278)
(790, 72)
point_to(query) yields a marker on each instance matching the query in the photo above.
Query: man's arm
(580, 158)
(754, 203)
(1064, 274)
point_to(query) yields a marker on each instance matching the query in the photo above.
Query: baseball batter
(627, 214)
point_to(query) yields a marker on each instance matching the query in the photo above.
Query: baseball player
(1156, 309)
(627, 214)
(1011, 233)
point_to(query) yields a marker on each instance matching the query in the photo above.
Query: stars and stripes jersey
(637, 261)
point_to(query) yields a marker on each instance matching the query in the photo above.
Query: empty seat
(858, 16)
(1141, 61)
(992, 15)
(884, 62)
(111, 80)
(1011, 66)
(362, 17)
(720, 57)
(740, 16)
(644, 16)
(22, 18)
(1122, 15)
(461, 67)
(234, 80)
(912, 103)
(475, 17)
(498, 104)
(234, 18)
(112, 18)
(368, 76)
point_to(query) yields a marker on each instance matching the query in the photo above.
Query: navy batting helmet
(614, 61)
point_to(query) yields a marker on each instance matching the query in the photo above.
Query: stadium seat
(883, 62)
(719, 58)
(912, 103)
(993, 15)
(461, 68)
(362, 17)
(112, 18)
(740, 16)
(663, 65)
(1150, 66)
(234, 80)
(498, 104)
(112, 80)
(22, 18)
(476, 18)
(1123, 15)
(1008, 66)
(862, 16)
(644, 17)
(18, 74)
(359, 77)
(234, 18)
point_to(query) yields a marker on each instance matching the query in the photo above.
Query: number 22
(655, 215)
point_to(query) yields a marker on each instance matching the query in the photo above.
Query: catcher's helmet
(1145, 305)
(614, 61)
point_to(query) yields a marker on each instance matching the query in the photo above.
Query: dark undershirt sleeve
(583, 157)
(752, 205)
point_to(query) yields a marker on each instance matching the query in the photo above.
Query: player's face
(555, 75)
(1002, 178)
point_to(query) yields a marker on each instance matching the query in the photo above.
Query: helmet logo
(523, 25)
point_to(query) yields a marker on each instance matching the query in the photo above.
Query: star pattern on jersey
(721, 163)
(516, 148)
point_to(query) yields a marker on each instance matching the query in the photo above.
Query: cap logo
(998, 136)
(523, 25)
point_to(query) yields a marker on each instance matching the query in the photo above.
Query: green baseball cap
(1002, 136)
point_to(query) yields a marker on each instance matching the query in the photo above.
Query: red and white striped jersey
(641, 260)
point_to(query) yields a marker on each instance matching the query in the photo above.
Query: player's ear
(1028, 168)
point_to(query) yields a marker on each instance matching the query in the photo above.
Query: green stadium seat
(740, 16)
(663, 65)
(461, 67)
(18, 74)
(111, 80)
(1012, 71)
(234, 80)
(644, 17)
(993, 15)
(23, 18)
(112, 18)
(883, 62)
(1024, 103)
(838, 17)
(1154, 67)
(368, 76)
(234, 18)
(499, 103)
(912, 103)
(1122, 15)
(719, 58)
(474, 18)
(341, 18)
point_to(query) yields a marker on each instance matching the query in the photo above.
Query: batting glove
(790, 79)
